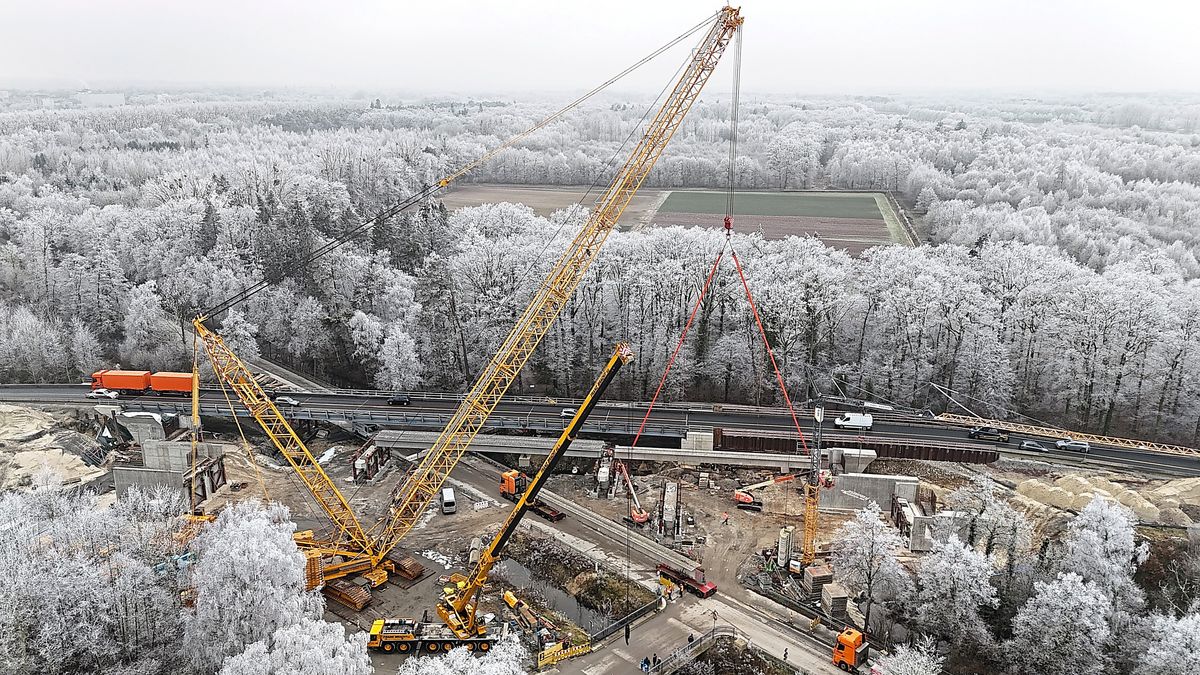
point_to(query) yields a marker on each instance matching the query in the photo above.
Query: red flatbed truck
(694, 584)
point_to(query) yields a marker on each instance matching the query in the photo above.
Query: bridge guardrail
(1051, 432)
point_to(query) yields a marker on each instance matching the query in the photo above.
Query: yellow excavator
(457, 608)
(352, 549)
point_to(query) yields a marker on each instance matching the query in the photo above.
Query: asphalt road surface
(692, 417)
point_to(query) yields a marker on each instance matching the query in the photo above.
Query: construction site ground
(1047, 492)
(444, 542)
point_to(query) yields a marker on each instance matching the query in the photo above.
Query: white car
(287, 399)
(1073, 446)
(102, 393)
(566, 413)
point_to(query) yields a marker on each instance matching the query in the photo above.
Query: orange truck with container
(142, 381)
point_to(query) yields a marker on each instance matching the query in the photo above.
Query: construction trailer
(514, 483)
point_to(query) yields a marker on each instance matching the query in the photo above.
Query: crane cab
(388, 634)
(851, 650)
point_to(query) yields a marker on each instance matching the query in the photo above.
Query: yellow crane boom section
(457, 609)
(552, 296)
(352, 540)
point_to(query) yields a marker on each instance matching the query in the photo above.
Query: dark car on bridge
(399, 399)
(989, 433)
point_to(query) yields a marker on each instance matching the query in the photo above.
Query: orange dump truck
(122, 380)
(171, 383)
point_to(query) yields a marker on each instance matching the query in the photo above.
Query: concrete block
(855, 460)
(143, 426)
(177, 455)
(852, 491)
(125, 477)
(698, 441)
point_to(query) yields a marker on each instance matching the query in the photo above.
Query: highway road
(670, 421)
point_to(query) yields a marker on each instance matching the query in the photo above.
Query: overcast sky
(827, 46)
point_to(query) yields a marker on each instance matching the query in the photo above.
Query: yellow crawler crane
(353, 549)
(557, 288)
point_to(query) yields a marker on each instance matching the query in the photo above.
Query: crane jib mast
(558, 287)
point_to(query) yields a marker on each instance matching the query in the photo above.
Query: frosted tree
(1062, 628)
(239, 335)
(367, 334)
(310, 647)
(149, 341)
(926, 198)
(864, 557)
(248, 581)
(399, 363)
(31, 348)
(992, 525)
(1175, 649)
(84, 348)
(953, 583)
(1100, 546)
(920, 658)
(507, 657)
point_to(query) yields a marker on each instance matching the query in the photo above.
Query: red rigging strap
(770, 353)
(679, 345)
(761, 331)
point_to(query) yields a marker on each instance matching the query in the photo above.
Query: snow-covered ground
(507, 658)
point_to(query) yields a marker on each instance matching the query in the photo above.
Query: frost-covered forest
(1091, 599)
(126, 590)
(1059, 281)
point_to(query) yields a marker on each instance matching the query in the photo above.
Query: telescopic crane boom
(457, 609)
(636, 513)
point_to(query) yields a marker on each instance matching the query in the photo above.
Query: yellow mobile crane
(353, 549)
(460, 625)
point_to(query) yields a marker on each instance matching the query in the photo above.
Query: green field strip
(805, 204)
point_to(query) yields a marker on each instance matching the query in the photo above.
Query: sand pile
(19, 425)
(1159, 505)
(1075, 491)
(30, 440)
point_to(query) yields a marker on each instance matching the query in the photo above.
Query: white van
(448, 504)
(853, 421)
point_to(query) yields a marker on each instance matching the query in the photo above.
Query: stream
(557, 599)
